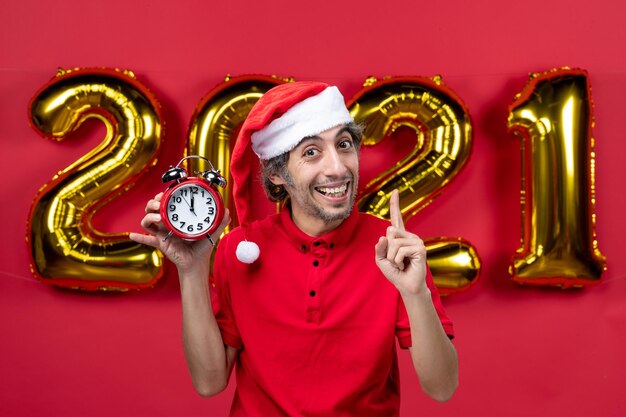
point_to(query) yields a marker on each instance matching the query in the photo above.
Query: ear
(276, 179)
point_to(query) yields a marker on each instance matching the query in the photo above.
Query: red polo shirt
(314, 320)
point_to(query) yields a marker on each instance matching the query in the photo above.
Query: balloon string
(22, 277)
(619, 277)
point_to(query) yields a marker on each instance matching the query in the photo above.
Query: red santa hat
(279, 120)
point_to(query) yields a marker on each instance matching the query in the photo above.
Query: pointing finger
(394, 210)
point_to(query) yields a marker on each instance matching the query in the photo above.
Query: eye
(310, 152)
(345, 144)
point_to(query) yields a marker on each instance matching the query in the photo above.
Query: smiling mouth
(333, 192)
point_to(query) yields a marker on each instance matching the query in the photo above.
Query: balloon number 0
(65, 251)
(215, 122)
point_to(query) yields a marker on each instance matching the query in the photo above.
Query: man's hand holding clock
(191, 209)
(185, 254)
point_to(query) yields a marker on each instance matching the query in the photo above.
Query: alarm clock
(191, 207)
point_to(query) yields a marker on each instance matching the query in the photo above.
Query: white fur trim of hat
(309, 117)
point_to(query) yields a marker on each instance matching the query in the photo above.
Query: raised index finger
(394, 210)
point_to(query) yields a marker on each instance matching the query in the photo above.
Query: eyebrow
(316, 137)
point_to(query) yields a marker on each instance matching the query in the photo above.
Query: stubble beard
(310, 206)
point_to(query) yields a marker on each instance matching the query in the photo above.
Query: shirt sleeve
(403, 327)
(221, 301)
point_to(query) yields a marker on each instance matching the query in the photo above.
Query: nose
(334, 165)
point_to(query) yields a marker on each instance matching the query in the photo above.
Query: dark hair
(278, 165)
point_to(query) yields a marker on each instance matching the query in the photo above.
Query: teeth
(333, 192)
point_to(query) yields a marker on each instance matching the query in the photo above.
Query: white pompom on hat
(279, 120)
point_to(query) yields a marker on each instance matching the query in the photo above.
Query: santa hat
(279, 120)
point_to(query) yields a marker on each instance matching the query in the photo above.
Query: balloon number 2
(443, 132)
(66, 251)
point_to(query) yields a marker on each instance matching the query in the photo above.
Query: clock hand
(191, 208)
(190, 205)
(184, 199)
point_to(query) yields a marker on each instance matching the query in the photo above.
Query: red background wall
(523, 351)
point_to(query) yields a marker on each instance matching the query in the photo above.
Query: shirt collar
(340, 236)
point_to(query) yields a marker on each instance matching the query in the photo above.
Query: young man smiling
(320, 179)
(309, 303)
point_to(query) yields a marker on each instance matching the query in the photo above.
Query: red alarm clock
(191, 207)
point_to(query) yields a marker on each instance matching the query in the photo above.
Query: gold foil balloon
(443, 132)
(65, 249)
(443, 139)
(216, 122)
(454, 263)
(553, 116)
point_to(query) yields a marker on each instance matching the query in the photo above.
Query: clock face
(191, 209)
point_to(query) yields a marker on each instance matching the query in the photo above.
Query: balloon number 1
(553, 115)
(65, 251)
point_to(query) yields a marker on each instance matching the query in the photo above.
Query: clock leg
(167, 235)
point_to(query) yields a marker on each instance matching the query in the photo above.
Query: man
(302, 306)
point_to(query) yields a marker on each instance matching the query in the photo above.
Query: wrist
(418, 296)
(193, 274)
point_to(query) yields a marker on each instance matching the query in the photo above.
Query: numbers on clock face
(191, 209)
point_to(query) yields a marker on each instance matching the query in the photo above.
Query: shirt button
(303, 248)
(332, 245)
(317, 243)
(312, 293)
(316, 263)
